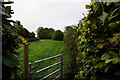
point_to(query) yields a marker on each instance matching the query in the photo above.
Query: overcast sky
(48, 13)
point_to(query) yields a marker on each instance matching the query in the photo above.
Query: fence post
(34, 71)
(61, 66)
(30, 65)
(25, 63)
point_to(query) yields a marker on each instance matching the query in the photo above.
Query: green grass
(43, 49)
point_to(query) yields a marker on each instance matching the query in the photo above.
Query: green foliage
(32, 39)
(32, 35)
(87, 6)
(9, 45)
(98, 42)
(58, 35)
(45, 33)
(10, 60)
(69, 39)
(21, 31)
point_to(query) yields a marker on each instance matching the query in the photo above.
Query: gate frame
(35, 72)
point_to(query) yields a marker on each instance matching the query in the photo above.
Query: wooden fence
(60, 69)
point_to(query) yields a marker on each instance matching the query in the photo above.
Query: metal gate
(60, 69)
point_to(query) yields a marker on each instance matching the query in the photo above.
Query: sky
(48, 13)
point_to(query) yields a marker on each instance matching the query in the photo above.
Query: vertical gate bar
(61, 66)
(34, 71)
(30, 65)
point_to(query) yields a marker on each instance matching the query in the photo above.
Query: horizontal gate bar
(50, 74)
(31, 72)
(48, 58)
(47, 67)
(57, 77)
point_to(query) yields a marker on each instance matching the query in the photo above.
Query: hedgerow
(10, 42)
(70, 36)
(99, 42)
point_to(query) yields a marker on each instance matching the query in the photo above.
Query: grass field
(43, 49)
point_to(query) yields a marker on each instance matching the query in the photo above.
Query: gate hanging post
(25, 63)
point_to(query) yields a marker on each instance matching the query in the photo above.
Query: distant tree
(45, 33)
(20, 30)
(39, 32)
(58, 35)
(32, 35)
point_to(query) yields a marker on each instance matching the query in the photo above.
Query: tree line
(50, 33)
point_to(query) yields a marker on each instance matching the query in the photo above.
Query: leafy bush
(32, 39)
(21, 31)
(99, 42)
(69, 39)
(58, 35)
(9, 45)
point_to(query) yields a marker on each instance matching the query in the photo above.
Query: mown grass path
(43, 49)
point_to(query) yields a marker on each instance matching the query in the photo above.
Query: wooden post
(25, 64)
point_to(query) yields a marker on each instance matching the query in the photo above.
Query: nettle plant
(99, 42)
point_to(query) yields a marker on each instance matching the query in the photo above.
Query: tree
(32, 35)
(58, 35)
(21, 31)
(45, 33)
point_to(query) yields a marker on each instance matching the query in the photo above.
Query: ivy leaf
(100, 65)
(103, 17)
(105, 56)
(10, 60)
(94, 27)
(114, 60)
(100, 45)
(87, 6)
(108, 60)
(113, 54)
(106, 69)
(8, 8)
(113, 26)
